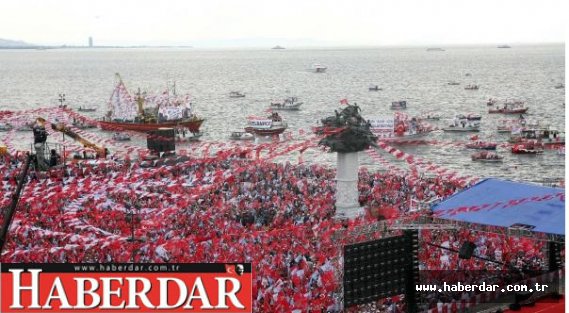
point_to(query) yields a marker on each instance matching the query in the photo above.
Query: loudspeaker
(161, 140)
(466, 250)
(554, 255)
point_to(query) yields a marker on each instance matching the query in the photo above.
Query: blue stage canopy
(505, 203)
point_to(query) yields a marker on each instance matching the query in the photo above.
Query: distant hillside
(5, 43)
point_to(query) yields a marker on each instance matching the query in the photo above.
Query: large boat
(400, 129)
(486, 157)
(288, 104)
(146, 113)
(271, 126)
(544, 135)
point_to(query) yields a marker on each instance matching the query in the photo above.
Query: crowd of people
(278, 216)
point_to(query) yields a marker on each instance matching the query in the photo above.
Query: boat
(559, 86)
(82, 124)
(121, 136)
(288, 104)
(527, 148)
(481, 145)
(5, 127)
(486, 157)
(544, 135)
(461, 126)
(435, 49)
(509, 108)
(469, 117)
(82, 109)
(165, 110)
(491, 101)
(453, 83)
(431, 116)
(404, 130)
(374, 88)
(503, 47)
(236, 94)
(238, 135)
(277, 47)
(318, 68)
(398, 105)
(471, 87)
(271, 126)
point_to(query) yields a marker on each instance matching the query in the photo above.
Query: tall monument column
(347, 195)
(347, 133)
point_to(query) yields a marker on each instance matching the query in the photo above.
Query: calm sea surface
(33, 78)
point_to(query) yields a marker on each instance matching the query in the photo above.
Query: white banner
(261, 123)
(382, 127)
(171, 112)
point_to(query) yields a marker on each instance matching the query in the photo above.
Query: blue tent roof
(505, 203)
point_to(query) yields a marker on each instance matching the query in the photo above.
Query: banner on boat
(261, 123)
(171, 112)
(126, 287)
(382, 127)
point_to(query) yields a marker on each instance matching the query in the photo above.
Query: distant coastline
(85, 47)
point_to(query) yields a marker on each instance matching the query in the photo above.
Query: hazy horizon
(258, 23)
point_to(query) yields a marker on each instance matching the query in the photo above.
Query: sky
(257, 23)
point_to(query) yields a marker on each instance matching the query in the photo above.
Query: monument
(347, 133)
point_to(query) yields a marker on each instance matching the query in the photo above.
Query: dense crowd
(279, 217)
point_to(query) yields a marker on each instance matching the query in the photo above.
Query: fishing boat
(374, 88)
(559, 86)
(545, 135)
(121, 137)
(4, 127)
(145, 113)
(486, 157)
(82, 124)
(83, 109)
(527, 148)
(238, 135)
(270, 126)
(277, 47)
(398, 105)
(318, 68)
(288, 104)
(401, 129)
(453, 83)
(504, 47)
(236, 94)
(471, 87)
(481, 145)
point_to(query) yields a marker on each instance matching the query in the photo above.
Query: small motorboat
(236, 94)
(398, 105)
(4, 127)
(83, 124)
(481, 145)
(432, 116)
(487, 157)
(83, 109)
(288, 104)
(509, 109)
(469, 117)
(121, 137)
(374, 88)
(527, 148)
(471, 87)
(491, 101)
(463, 125)
(318, 68)
(453, 83)
(559, 86)
(238, 135)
